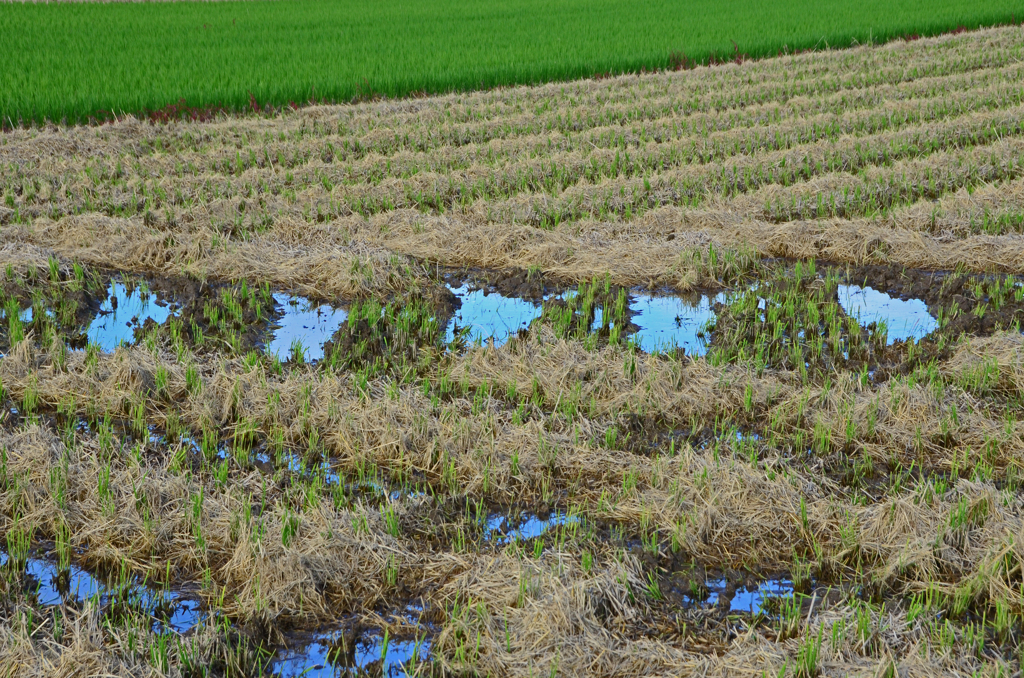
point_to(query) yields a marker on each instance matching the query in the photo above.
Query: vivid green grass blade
(71, 60)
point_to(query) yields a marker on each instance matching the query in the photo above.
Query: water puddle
(122, 312)
(129, 305)
(323, 655)
(502, 531)
(904, 319)
(372, 489)
(75, 586)
(750, 600)
(664, 322)
(668, 322)
(489, 315)
(370, 655)
(304, 324)
(371, 652)
(196, 446)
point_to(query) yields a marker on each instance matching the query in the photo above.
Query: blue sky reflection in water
(121, 313)
(750, 600)
(82, 586)
(668, 322)
(312, 660)
(528, 527)
(490, 315)
(304, 321)
(904, 319)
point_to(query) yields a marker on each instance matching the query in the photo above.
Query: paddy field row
(712, 371)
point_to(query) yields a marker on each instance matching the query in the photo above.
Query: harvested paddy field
(709, 372)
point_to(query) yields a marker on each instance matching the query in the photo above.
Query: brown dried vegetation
(290, 498)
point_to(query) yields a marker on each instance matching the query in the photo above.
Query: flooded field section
(231, 475)
(100, 311)
(712, 371)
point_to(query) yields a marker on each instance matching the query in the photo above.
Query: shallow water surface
(750, 599)
(669, 322)
(121, 313)
(904, 319)
(665, 322)
(397, 658)
(78, 586)
(306, 322)
(490, 315)
(528, 526)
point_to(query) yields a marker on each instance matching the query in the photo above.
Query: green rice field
(74, 61)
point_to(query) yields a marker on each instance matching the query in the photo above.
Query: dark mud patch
(934, 288)
(515, 283)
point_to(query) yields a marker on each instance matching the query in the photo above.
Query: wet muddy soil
(49, 584)
(350, 648)
(973, 304)
(477, 306)
(515, 283)
(357, 649)
(900, 305)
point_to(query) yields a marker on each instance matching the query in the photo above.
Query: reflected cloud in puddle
(904, 319)
(306, 322)
(668, 322)
(121, 313)
(490, 315)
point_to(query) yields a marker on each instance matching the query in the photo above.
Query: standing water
(122, 313)
(304, 323)
(670, 322)
(904, 319)
(490, 315)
